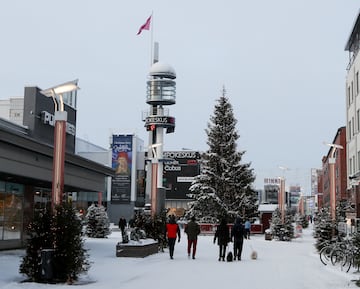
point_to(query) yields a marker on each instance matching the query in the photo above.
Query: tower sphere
(160, 69)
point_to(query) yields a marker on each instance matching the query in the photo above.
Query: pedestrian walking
(247, 228)
(237, 235)
(222, 235)
(122, 225)
(172, 230)
(192, 230)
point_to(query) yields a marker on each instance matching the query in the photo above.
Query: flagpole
(152, 39)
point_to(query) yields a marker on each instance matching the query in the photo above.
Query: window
(352, 126)
(358, 120)
(352, 91)
(11, 201)
(354, 165)
(349, 130)
(357, 83)
(350, 166)
(348, 95)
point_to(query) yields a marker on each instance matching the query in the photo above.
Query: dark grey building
(26, 161)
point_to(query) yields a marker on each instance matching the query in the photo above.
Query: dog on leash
(253, 255)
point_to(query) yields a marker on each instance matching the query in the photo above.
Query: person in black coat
(122, 225)
(222, 234)
(237, 235)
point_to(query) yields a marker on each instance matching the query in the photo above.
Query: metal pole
(154, 177)
(59, 158)
(332, 189)
(282, 193)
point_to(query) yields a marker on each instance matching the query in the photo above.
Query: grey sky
(282, 62)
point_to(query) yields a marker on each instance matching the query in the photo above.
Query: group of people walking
(236, 235)
(223, 235)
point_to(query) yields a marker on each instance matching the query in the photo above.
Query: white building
(12, 109)
(353, 103)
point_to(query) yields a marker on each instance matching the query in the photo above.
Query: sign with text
(122, 162)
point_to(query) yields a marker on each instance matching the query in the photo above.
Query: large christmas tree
(224, 186)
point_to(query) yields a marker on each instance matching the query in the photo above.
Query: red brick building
(340, 170)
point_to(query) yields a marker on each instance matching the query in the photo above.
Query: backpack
(229, 257)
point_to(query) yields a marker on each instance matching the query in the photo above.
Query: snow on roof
(162, 69)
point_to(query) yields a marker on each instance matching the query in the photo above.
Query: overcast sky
(282, 63)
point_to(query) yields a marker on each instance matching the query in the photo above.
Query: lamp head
(61, 88)
(333, 145)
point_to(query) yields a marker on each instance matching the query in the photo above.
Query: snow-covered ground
(280, 265)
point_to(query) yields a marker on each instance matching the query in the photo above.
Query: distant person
(122, 225)
(247, 229)
(172, 230)
(222, 234)
(192, 230)
(237, 235)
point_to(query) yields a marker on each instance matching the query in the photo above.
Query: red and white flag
(145, 26)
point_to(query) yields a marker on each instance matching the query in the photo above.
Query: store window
(11, 209)
(42, 199)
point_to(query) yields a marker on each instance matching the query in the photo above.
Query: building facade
(26, 166)
(352, 87)
(340, 170)
(271, 190)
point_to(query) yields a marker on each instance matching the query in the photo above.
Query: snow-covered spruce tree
(39, 237)
(224, 186)
(282, 231)
(323, 227)
(288, 225)
(342, 207)
(70, 256)
(154, 227)
(97, 222)
(275, 224)
(61, 232)
(355, 239)
(302, 220)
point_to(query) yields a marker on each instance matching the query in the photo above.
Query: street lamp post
(332, 176)
(60, 115)
(155, 175)
(282, 195)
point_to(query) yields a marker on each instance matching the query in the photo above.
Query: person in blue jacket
(247, 228)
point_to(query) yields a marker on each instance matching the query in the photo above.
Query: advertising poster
(121, 161)
(179, 172)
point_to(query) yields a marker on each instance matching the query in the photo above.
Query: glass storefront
(11, 209)
(42, 199)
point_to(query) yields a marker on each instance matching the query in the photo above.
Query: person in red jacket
(172, 229)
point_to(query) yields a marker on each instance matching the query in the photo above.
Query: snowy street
(280, 265)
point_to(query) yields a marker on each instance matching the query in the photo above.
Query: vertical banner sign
(121, 162)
